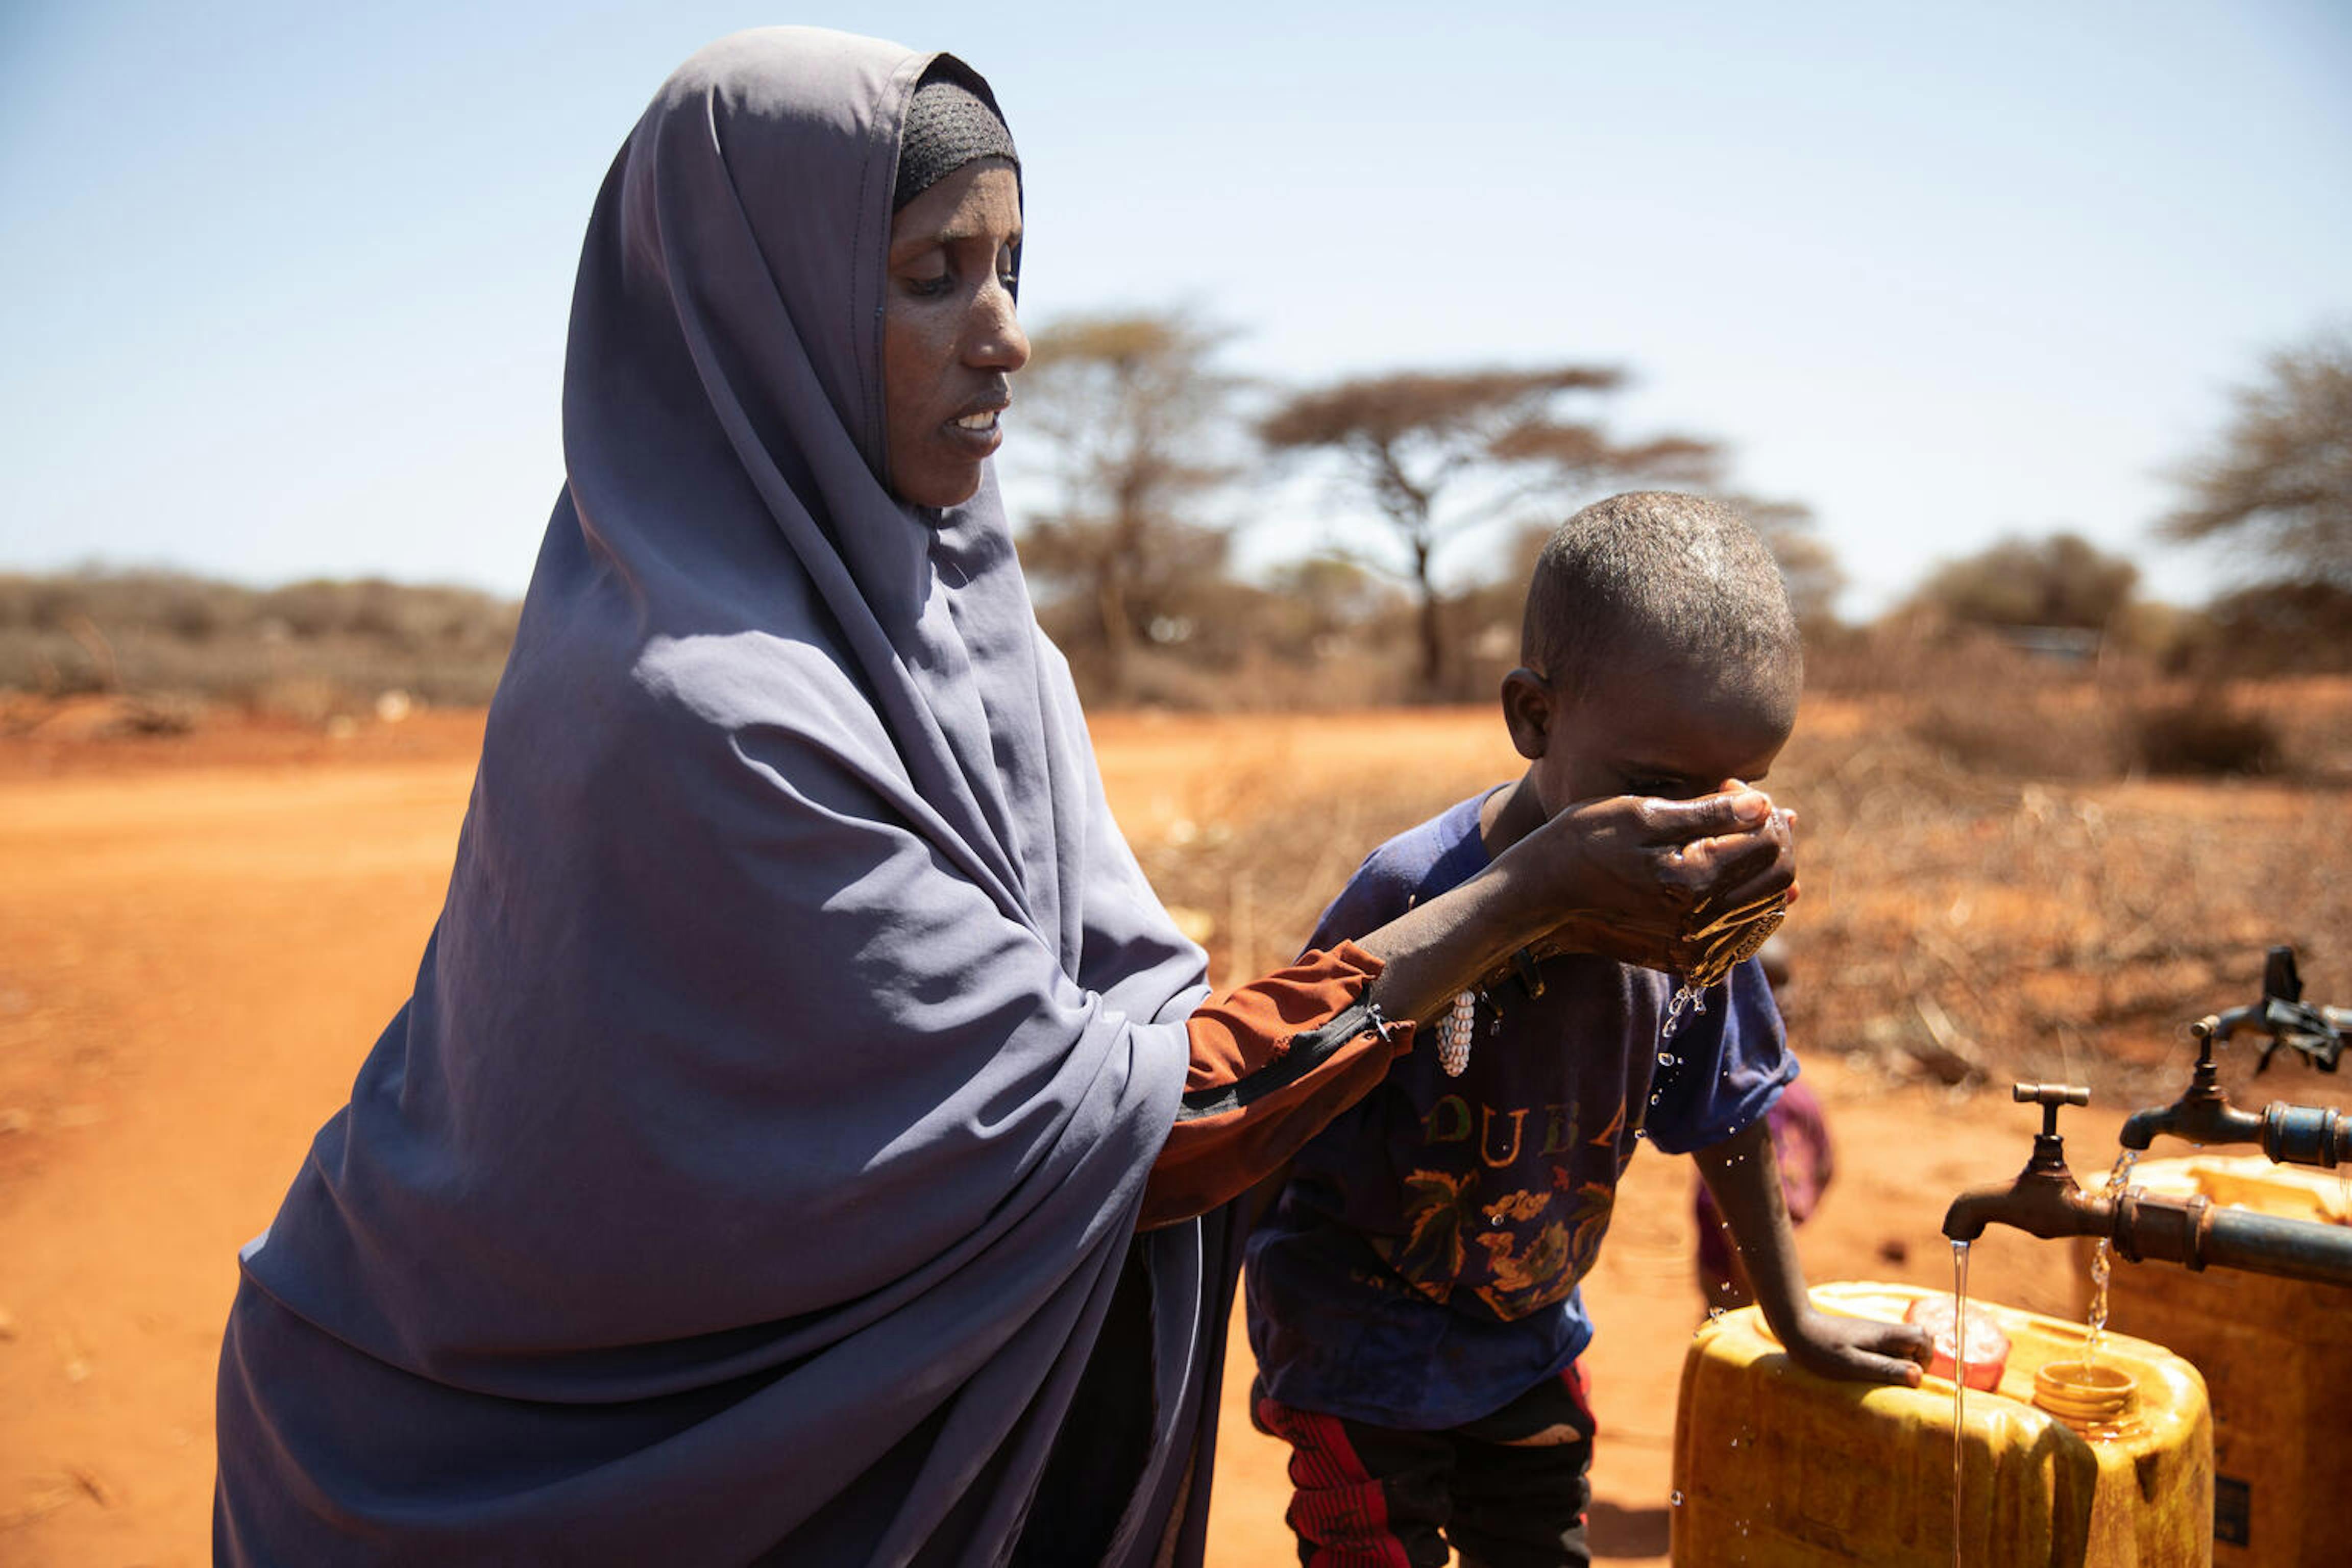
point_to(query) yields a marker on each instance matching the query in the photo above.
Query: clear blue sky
(285, 284)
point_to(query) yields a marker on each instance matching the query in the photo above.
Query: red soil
(201, 936)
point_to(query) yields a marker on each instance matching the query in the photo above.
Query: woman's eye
(929, 288)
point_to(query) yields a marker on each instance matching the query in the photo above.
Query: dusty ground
(201, 936)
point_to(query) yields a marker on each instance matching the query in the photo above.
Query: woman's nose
(997, 342)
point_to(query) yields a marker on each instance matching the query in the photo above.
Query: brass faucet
(2044, 1200)
(2289, 1135)
(2203, 1113)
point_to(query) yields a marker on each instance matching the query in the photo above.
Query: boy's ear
(1528, 708)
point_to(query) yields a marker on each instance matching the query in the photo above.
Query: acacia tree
(1441, 452)
(1127, 409)
(2061, 581)
(2280, 482)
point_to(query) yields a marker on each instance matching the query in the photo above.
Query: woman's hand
(1638, 880)
(1858, 1349)
(1643, 880)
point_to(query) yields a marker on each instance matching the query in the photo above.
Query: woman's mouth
(977, 433)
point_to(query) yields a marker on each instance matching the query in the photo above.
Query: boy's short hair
(1656, 576)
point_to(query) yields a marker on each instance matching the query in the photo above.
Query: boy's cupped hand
(1639, 879)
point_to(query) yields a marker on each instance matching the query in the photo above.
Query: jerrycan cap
(2094, 1400)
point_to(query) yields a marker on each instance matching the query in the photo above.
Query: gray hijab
(751, 1170)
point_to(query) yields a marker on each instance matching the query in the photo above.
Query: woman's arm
(1275, 1060)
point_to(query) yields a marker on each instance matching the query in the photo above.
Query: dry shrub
(2052, 927)
(2204, 735)
(320, 646)
(2018, 734)
(1986, 705)
(2313, 718)
(306, 699)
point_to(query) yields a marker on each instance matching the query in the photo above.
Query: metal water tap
(2044, 1201)
(2203, 1113)
(2289, 1135)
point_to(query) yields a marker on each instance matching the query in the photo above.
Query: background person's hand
(1642, 880)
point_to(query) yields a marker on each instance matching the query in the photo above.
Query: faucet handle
(2049, 1097)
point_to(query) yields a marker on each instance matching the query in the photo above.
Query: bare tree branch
(2279, 484)
(1439, 453)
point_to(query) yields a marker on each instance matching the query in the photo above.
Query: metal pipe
(2272, 1244)
(2201, 1234)
(2306, 1135)
(2193, 1231)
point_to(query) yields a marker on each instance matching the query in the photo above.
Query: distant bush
(2061, 581)
(307, 651)
(2020, 738)
(2276, 629)
(2204, 735)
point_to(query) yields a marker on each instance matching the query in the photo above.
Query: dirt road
(197, 947)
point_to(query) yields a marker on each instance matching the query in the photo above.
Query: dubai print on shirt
(1420, 1266)
(1472, 1219)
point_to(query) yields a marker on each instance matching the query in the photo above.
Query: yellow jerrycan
(1777, 1468)
(2277, 1360)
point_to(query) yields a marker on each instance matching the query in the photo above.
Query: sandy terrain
(200, 938)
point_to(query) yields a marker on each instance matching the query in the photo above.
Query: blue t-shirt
(1419, 1268)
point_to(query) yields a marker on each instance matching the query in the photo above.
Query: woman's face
(950, 342)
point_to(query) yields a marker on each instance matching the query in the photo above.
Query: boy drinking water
(1412, 1291)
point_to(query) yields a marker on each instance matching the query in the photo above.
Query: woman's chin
(940, 490)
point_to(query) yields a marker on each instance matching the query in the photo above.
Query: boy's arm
(1744, 1174)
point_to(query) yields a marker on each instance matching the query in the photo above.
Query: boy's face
(1673, 733)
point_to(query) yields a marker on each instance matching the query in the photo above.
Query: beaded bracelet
(1453, 1039)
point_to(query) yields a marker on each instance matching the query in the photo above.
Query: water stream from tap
(1959, 1383)
(2103, 1260)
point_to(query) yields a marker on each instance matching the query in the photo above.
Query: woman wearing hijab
(805, 1140)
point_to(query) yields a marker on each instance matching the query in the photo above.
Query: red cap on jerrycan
(1988, 1346)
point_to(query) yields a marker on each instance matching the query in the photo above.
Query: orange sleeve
(1273, 1062)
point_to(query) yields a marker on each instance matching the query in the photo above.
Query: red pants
(1376, 1497)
